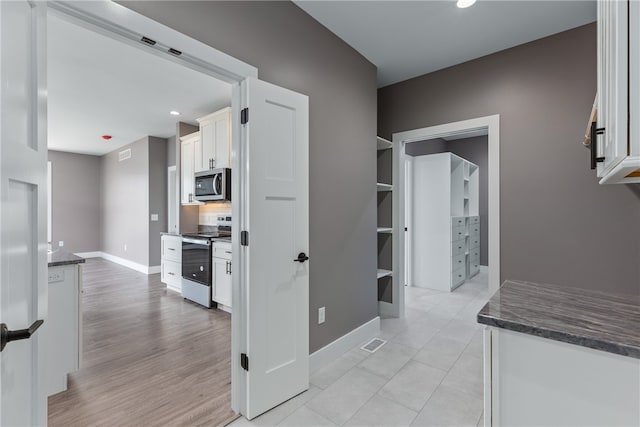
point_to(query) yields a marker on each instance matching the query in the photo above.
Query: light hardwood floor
(150, 357)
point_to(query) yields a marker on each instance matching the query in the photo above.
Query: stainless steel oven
(196, 270)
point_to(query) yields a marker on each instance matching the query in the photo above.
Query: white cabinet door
(613, 33)
(190, 158)
(215, 132)
(221, 292)
(23, 210)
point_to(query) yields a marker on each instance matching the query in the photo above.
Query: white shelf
(383, 144)
(384, 187)
(385, 230)
(384, 273)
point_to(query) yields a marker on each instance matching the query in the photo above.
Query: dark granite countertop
(61, 257)
(597, 320)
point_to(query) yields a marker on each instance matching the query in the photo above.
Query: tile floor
(429, 373)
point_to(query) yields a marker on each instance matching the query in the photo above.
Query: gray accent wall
(131, 190)
(476, 151)
(187, 215)
(76, 217)
(558, 225)
(125, 203)
(292, 50)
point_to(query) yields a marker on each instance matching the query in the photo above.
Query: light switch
(154, 217)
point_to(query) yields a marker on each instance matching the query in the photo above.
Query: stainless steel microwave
(213, 185)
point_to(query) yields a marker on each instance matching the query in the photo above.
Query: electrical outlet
(125, 247)
(321, 316)
(61, 243)
(56, 275)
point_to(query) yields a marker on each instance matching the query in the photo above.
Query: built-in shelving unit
(385, 231)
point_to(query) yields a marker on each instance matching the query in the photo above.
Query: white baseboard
(96, 254)
(330, 352)
(153, 269)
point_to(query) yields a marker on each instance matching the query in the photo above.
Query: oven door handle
(197, 241)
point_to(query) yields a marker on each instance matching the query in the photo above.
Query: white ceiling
(405, 39)
(100, 86)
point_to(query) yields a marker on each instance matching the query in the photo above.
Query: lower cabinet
(171, 262)
(63, 327)
(221, 286)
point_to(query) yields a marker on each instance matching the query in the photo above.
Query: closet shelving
(385, 231)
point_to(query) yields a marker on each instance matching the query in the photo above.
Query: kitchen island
(63, 326)
(561, 356)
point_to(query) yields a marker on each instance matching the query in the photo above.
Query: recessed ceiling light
(174, 113)
(465, 3)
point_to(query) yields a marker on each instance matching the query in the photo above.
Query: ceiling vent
(124, 155)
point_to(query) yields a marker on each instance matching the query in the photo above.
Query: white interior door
(23, 209)
(275, 202)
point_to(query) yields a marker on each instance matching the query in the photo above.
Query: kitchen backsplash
(209, 212)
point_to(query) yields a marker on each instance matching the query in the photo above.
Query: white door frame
(492, 125)
(116, 21)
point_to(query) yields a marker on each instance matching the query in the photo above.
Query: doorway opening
(425, 142)
(118, 120)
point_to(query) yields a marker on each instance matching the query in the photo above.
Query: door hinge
(244, 116)
(244, 238)
(244, 361)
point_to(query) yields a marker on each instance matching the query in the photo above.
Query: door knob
(302, 257)
(6, 336)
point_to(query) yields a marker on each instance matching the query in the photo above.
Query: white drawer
(474, 220)
(474, 241)
(474, 229)
(172, 274)
(222, 250)
(458, 261)
(474, 254)
(458, 276)
(457, 221)
(172, 248)
(458, 247)
(458, 233)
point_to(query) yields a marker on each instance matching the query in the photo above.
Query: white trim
(146, 269)
(400, 139)
(120, 23)
(330, 352)
(96, 254)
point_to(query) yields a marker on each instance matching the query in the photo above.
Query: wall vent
(124, 155)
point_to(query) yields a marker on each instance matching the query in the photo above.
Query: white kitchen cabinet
(215, 133)
(171, 262)
(63, 326)
(190, 161)
(617, 143)
(534, 381)
(222, 268)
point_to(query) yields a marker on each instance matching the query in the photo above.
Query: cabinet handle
(171, 249)
(229, 262)
(171, 274)
(593, 147)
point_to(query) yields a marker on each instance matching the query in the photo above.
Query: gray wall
(292, 50)
(157, 195)
(475, 150)
(171, 151)
(75, 201)
(557, 224)
(125, 203)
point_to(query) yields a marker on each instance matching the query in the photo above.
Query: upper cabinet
(616, 134)
(190, 156)
(215, 131)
